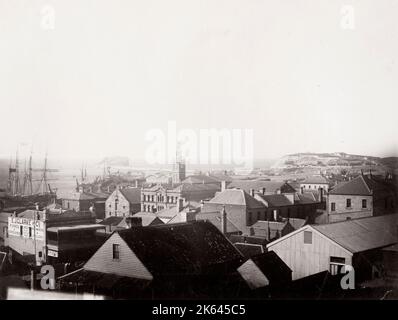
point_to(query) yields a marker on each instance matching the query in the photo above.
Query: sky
(92, 78)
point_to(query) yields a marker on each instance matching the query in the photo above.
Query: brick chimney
(320, 194)
(263, 191)
(223, 220)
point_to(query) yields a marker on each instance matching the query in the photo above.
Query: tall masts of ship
(27, 182)
(13, 177)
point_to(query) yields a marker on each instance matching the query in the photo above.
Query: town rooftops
(363, 234)
(215, 219)
(236, 197)
(80, 196)
(76, 227)
(197, 187)
(147, 219)
(316, 179)
(259, 185)
(132, 195)
(361, 185)
(179, 249)
(201, 179)
(357, 235)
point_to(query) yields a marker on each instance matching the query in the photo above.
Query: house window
(333, 206)
(364, 204)
(308, 237)
(21, 230)
(348, 203)
(116, 203)
(116, 251)
(30, 232)
(40, 254)
(336, 264)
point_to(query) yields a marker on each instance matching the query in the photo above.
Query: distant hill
(337, 159)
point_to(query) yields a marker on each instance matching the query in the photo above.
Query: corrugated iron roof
(358, 235)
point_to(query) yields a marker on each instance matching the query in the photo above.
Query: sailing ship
(23, 190)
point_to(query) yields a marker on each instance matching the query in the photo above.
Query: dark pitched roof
(111, 221)
(248, 249)
(180, 249)
(236, 197)
(362, 185)
(276, 200)
(271, 265)
(133, 195)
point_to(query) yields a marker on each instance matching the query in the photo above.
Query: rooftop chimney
(252, 192)
(263, 191)
(180, 204)
(223, 220)
(133, 222)
(223, 185)
(320, 194)
(301, 190)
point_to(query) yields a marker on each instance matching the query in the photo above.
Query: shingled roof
(180, 249)
(236, 197)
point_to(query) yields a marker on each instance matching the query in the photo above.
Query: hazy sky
(109, 71)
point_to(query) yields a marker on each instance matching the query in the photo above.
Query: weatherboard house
(158, 261)
(358, 243)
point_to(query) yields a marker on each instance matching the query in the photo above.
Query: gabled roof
(236, 197)
(276, 200)
(356, 186)
(297, 223)
(180, 249)
(358, 235)
(132, 195)
(362, 185)
(258, 185)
